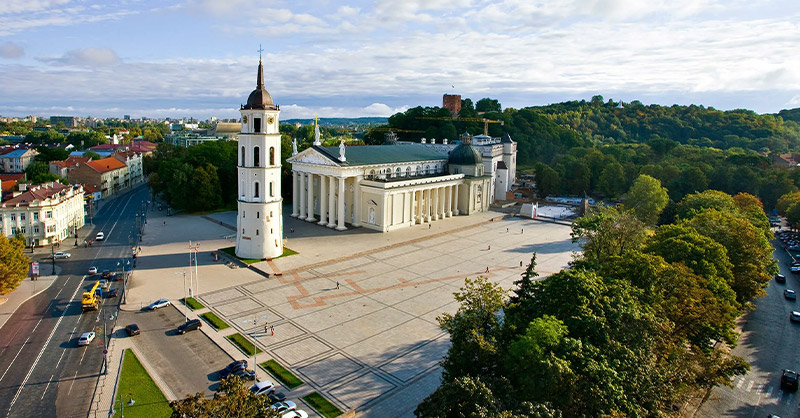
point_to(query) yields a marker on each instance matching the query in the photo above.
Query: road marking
(739, 383)
(115, 223)
(750, 385)
(35, 362)
(768, 390)
(73, 382)
(29, 337)
(48, 385)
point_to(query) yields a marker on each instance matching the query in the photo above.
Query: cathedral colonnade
(328, 201)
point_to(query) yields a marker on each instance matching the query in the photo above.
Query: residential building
(68, 121)
(109, 175)
(17, 160)
(135, 169)
(44, 214)
(62, 168)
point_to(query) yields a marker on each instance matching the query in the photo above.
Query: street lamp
(255, 348)
(53, 254)
(185, 302)
(122, 405)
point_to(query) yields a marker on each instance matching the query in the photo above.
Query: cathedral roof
(260, 97)
(385, 154)
(465, 154)
(506, 139)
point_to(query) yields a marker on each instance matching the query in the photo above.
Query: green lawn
(322, 405)
(149, 402)
(243, 343)
(232, 252)
(285, 376)
(214, 320)
(193, 304)
(287, 252)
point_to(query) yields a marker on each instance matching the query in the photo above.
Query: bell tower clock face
(270, 120)
(244, 119)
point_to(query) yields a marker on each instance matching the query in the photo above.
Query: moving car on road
(85, 338)
(262, 388)
(93, 270)
(62, 255)
(161, 303)
(794, 316)
(780, 278)
(790, 294)
(106, 274)
(111, 293)
(789, 380)
(100, 236)
(189, 325)
(132, 330)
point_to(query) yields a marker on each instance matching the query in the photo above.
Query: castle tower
(259, 224)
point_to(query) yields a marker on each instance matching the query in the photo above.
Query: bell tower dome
(259, 223)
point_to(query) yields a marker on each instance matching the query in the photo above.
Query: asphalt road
(42, 370)
(770, 343)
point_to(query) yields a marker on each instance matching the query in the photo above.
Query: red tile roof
(106, 164)
(12, 176)
(41, 192)
(90, 189)
(72, 161)
(7, 185)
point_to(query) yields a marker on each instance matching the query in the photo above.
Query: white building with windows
(259, 223)
(44, 214)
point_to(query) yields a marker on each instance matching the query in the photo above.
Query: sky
(198, 58)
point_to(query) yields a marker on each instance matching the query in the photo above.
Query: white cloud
(88, 57)
(11, 50)
(27, 6)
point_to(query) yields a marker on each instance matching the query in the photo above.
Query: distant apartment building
(16, 160)
(109, 175)
(68, 121)
(452, 102)
(62, 168)
(44, 214)
(135, 168)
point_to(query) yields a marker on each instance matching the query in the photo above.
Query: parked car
(106, 274)
(104, 284)
(132, 330)
(262, 388)
(284, 406)
(86, 338)
(92, 270)
(112, 293)
(276, 397)
(161, 303)
(780, 278)
(789, 380)
(295, 414)
(795, 267)
(62, 255)
(100, 236)
(189, 325)
(236, 365)
(794, 316)
(244, 374)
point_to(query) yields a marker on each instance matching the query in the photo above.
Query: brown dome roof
(260, 97)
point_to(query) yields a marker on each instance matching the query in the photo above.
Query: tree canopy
(13, 263)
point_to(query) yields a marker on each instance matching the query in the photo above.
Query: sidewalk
(27, 289)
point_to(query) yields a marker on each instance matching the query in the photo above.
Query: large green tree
(608, 231)
(13, 263)
(231, 400)
(646, 198)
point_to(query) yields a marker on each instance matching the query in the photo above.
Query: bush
(285, 376)
(214, 321)
(322, 405)
(244, 344)
(193, 304)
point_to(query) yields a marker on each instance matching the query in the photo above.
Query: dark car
(233, 367)
(189, 325)
(132, 330)
(112, 293)
(106, 274)
(276, 397)
(789, 380)
(780, 278)
(244, 374)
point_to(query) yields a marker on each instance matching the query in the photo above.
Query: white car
(86, 338)
(62, 255)
(161, 303)
(262, 388)
(104, 284)
(295, 414)
(93, 270)
(100, 236)
(284, 406)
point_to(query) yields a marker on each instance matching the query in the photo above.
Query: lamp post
(122, 405)
(255, 347)
(185, 302)
(53, 254)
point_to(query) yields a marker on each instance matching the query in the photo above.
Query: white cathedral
(379, 187)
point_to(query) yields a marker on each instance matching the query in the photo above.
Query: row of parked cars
(277, 400)
(789, 378)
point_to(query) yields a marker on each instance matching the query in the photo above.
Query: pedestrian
(337, 285)
(521, 231)
(429, 226)
(292, 230)
(165, 222)
(272, 330)
(266, 328)
(506, 229)
(487, 269)
(520, 263)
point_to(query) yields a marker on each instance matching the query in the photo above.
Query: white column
(294, 193)
(435, 192)
(442, 201)
(418, 206)
(357, 201)
(407, 206)
(456, 198)
(428, 202)
(448, 210)
(341, 226)
(323, 201)
(310, 199)
(331, 201)
(302, 193)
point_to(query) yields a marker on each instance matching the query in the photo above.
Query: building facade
(45, 214)
(18, 160)
(109, 175)
(259, 223)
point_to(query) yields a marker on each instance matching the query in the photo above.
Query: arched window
(408, 171)
(243, 157)
(256, 157)
(256, 232)
(397, 172)
(241, 189)
(271, 193)
(271, 155)
(255, 190)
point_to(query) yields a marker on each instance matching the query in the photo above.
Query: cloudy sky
(178, 58)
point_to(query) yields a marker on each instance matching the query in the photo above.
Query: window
(243, 164)
(397, 172)
(255, 191)
(22, 229)
(270, 214)
(256, 125)
(35, 216)
(243, 214)
(271, 155)
(256, 157)
(271, 194)
(35, 229)
(242, 189)
(13, 217)
(258, 215)
(256, 232)
(242, 231)
(408, 171)
(21, 216)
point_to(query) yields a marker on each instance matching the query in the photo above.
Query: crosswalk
(765, 390)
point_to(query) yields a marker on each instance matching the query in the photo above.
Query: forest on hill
(600, 147)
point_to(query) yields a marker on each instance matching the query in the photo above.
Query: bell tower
(259, 224)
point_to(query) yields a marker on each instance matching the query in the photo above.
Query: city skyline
(198, 58)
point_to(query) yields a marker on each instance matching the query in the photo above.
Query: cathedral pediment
(311, 156)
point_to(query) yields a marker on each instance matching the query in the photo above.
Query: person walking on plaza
(487, 269)
(272, 330)
(266, 328)
(337, 285)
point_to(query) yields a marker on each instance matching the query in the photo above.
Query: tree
(13, 263)
(612, 180)
(206, 189)
(488, 105)
(607, 232)
(474, 330)
(39, 172)
(646, 198)
(524, 286)
(465, 396)
(83, 140)
(232, 400)
(547, 181)
(694, 203)
(93, 155)
(47, 154)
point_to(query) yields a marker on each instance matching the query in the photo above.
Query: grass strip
(215, 321)
(322, 405)
(287, 252)
(136, 384)
(193, 304)
(281, 373)
(243, 343)
(231, 251)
